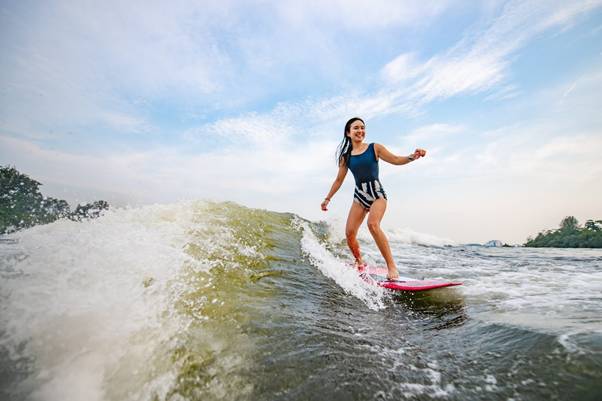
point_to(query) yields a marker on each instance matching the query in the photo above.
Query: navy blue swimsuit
(365, 171)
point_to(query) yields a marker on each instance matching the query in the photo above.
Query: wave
(337, 268)
(88, 301)
(202, 300)
(81, 292)
(95, 309)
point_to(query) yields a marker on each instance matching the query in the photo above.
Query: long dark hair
(344, 149)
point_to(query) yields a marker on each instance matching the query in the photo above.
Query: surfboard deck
(378, 276)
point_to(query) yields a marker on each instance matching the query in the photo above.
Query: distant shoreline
(22, 205)
(569, 235)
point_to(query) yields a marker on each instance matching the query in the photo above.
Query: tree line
(570, 235)
(22, 205)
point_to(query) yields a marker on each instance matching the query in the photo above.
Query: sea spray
(80, 302)
(134, 305)
(395, 235)
(337, 269)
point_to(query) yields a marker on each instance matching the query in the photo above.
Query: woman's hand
(418, 153)
(324, 204)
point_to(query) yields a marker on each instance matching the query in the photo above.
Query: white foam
(87, 289)
(545, 289)
(569, 344)
(337, 270)
(491, 383)
(409, 236)
(537, 296)
(433, 390)
(399, 236)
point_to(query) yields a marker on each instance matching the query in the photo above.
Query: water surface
(204, 301)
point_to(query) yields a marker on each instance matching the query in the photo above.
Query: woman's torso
(364, 166)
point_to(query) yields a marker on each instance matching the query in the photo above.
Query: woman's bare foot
(359, 264)
(392, 274)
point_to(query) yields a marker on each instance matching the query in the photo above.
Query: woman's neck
(357, 145)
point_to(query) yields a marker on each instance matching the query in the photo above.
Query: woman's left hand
(418, 153)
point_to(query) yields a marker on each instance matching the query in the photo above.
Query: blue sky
(143, 102)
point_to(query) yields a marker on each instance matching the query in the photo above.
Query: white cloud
(357, 14)
(568, 133)
(131, 44)
(567, 14)
(267, 173)
(78, 64)
(480, 61)
(449, 76)
(73, 61)
(271, 129)
(505, 92)
(514, 180)
(401, 68)
(122, 122)
(432, 131)
(251, 128)
(74, 64)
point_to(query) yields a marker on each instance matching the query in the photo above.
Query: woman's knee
(350, 233)
(373, 226)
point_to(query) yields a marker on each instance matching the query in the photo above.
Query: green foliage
(22, 205)
(570, 235)
(593, 225)
(20, 200)
(89, 210)
(569, 223)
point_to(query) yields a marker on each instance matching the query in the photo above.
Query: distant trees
(22, 205)
(570, 235)
(593, 225)
(569, 224)
(89, 210)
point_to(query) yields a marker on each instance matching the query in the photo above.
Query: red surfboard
(378, 276)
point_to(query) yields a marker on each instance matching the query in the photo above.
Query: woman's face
(357, 131)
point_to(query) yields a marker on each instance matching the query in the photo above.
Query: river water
(207, 301)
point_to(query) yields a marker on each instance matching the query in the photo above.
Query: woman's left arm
(383, 153)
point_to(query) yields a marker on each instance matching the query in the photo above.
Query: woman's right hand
(324, 204)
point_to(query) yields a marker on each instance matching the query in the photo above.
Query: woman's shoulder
(376, 147)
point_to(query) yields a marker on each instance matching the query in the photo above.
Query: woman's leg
(377, 211)
(356, 216)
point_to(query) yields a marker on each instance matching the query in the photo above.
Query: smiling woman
(369, 197)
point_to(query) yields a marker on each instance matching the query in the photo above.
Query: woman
(369, 197)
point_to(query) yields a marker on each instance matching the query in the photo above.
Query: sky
(155, 102)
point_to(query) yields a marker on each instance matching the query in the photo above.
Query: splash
(127, 306)
(82, 291)
(399, 236)
(337, 269)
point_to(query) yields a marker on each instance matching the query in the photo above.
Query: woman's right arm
(335, 185)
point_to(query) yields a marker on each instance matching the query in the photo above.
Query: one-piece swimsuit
(365, 171)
